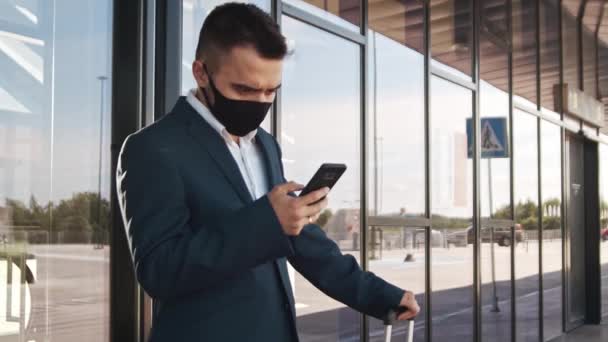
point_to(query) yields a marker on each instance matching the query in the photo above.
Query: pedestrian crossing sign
(493, 136)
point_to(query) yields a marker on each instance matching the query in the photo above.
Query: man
(209, 242)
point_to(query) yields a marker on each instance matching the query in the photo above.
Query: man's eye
(245, 90)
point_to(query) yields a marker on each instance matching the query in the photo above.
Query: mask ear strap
(210, 82)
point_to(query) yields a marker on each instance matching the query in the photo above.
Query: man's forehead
(244, 65)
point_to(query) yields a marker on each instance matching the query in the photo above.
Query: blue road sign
(494, 138)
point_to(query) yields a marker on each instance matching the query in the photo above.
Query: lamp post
(99, 235)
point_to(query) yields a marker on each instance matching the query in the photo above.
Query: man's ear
(198, 71)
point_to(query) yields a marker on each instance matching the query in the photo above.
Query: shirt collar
(211, 120)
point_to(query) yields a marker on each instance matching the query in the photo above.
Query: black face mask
(238, 116)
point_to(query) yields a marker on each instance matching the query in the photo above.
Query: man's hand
(409, 301)
(296, 212)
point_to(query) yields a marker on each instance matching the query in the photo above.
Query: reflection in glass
(396, 123)
(524, 51)
(602, 67)
(452, 207)
(55, 170)
(345, 13)
(495, 190)
(603, 158)
(570, 50)
(400, 21)
(525, 178)
(551, 187)
(589, 65)
(451, 35)
(397, 254)
(314, 116)
(549, 57)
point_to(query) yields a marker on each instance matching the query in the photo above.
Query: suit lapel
(273, 171)
(270, 159)
(211, 141)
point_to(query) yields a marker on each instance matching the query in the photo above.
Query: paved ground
(70, 296)
(588, 333)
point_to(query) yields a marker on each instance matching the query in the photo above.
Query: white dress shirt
(247, 154)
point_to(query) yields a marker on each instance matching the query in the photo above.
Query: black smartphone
(326, 176)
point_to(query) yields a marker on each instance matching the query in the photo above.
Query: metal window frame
(539, 202)
(477, 226)
(167, 85)
(127, 104)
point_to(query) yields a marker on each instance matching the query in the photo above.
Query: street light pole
(99, 242)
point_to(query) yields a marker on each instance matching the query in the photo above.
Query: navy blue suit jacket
(212, 258)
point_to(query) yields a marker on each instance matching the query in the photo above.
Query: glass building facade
(473, 130)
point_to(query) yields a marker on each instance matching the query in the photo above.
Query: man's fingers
(406, 316)
(314, 209)
(288, 187)
(314, 196)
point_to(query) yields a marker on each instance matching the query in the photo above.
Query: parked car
(604, 234)
(502, 236)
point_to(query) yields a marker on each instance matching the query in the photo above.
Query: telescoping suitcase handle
(388, 325)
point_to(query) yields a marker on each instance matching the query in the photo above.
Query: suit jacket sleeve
(171, 257)
(339, 276)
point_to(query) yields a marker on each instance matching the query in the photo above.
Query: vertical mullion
(427, 167)
(127, 54)
(476, 173)
(562, 161)
(277, 14)
(540, 232)
(510, 143)
(363, 57)
(538, 58)
(539, 199)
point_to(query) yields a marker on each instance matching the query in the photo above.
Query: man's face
(242, 74)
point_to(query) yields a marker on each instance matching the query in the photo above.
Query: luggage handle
(391, 317)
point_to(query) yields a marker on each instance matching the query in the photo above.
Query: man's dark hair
(236, 24)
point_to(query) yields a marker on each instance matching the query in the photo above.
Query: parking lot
(69, 298)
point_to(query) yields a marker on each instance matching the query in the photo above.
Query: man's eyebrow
(252, 88)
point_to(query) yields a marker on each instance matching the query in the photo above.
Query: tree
(83, 212)
(324, 217)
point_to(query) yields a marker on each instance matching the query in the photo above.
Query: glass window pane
(570, 50)
(401, 21)
(194, 13)
(589, 65)
(603, 73)
(55, 172)
(603, 156)
(551, 186)
(344, 13)
(396, 126)
(525, 178)
(571, 7)
(330, 111)
(524, 51)
(603, 69)
(451, 35)
(452, 207)
(593, 12)
(495, 175)
(549, 57)
(397, 254)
